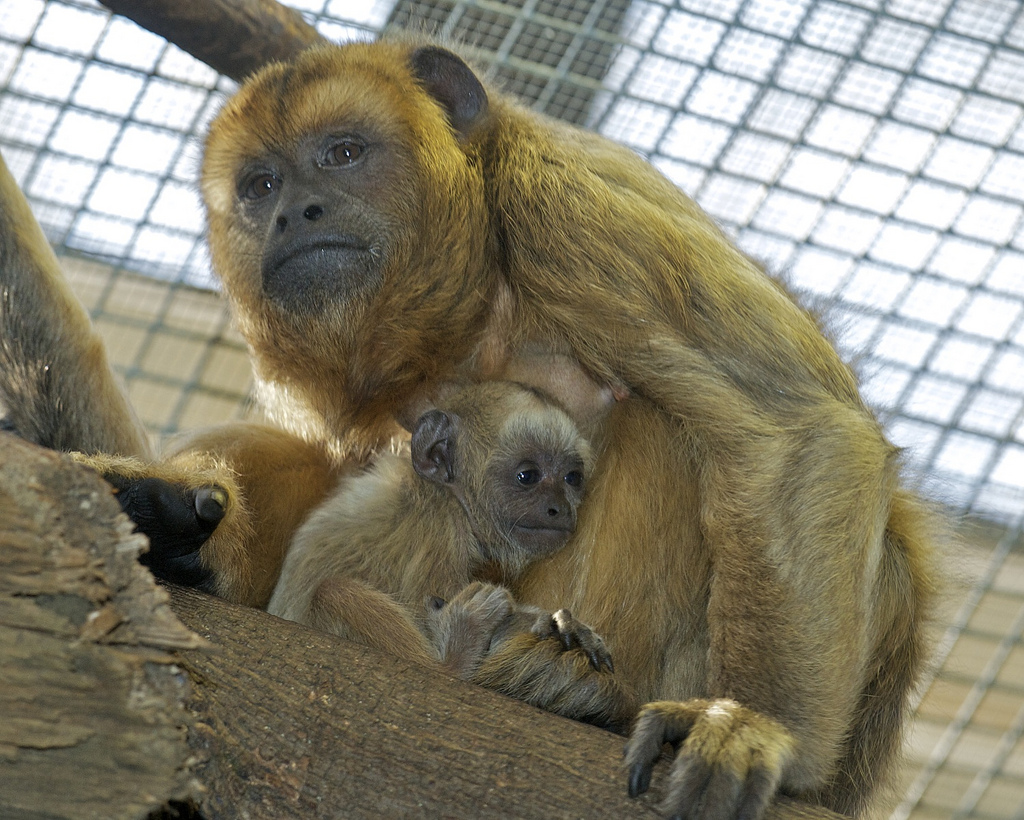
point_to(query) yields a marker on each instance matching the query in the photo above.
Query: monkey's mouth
(301, 277)
(542, 539)
(316, 252)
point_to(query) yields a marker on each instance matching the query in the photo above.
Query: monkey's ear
(433, 447)
(453, 85)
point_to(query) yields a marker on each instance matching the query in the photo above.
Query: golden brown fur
(413, 536)
(410, 536)
(56, 386)
(269, 470)
(745, 547)
(745, 514)
(423, 525)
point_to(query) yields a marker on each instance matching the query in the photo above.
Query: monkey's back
(381, 524)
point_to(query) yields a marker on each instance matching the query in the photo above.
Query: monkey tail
(906, 603)
(57, 388)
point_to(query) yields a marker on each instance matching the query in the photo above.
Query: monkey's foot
(555, 662)
(573, 634)
(478, 606)
(729, 759)
(178, 520)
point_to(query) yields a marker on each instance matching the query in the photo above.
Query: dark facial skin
(312, 208)
(536, 500)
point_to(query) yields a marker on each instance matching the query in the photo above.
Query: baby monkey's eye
(574, 479)
(261, 185)
(343, 153)
(528, 476)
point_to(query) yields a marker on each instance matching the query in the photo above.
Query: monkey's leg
(220, 507)
(795, 616)
(358, 612)
(56, 386)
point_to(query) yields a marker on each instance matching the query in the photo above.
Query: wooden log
(234, 37)
(93, 722)
(292, 723)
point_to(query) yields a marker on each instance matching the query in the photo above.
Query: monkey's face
(537, 495)
(347, 222)
(320, 217)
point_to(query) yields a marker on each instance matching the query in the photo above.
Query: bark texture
(235, 37)
(94, 722)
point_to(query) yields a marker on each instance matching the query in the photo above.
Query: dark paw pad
(177, 520)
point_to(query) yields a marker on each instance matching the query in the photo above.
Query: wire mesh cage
(869, 151)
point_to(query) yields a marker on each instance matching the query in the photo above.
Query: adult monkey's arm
(57, 388)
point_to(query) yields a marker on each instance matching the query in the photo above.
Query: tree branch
(235, 37)
(290, 722)
(93, 705)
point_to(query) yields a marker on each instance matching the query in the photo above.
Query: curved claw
(575, 635)
(643, 749)
(640, 778)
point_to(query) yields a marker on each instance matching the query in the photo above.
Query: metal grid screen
(872, 152)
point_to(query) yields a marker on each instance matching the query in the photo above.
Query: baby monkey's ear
(453, 85)
(433, 446)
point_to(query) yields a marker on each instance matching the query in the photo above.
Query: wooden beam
(94, 723)
(234, 37)
(292, 723)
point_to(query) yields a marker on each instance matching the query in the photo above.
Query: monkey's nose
(313, 213)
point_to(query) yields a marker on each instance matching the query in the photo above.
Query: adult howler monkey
(383, 223)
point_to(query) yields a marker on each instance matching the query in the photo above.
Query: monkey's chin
(309, 279)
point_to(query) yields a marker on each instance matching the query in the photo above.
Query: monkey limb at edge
(383, 222)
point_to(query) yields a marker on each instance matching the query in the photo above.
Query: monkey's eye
(261, 185)
(574, 479)
(343, 153)
(528, 476)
